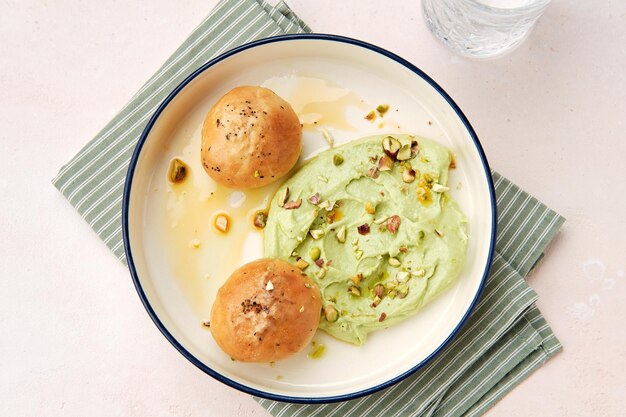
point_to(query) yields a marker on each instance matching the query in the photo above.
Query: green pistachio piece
(177, 171)
(354, 290)
(330, 313)
(314, 253)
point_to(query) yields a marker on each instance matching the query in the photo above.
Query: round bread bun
(250, 138)
(266, 311)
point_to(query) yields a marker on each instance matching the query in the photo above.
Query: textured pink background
(74, 338)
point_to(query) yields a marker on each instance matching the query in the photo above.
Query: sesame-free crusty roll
(266, 311)
(250, 138)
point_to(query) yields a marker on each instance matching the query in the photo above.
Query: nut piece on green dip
(266, 311)
(386, 246)
(251, 137)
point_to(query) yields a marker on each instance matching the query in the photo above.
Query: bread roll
(266, 311)
(250, 138)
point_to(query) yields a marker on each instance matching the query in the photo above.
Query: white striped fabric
(505, 339)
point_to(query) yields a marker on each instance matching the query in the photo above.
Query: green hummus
(380, 238)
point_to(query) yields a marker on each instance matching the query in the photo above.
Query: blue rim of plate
(131, 263)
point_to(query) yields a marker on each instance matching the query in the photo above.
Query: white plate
(377, 76)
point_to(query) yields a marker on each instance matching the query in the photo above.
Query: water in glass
(482, 28)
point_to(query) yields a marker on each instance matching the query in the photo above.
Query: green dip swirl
(411, 265)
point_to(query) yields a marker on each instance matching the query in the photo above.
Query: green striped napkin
(504, 341)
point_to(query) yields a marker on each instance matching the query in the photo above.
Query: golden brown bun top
(250, 138)
(267, 310)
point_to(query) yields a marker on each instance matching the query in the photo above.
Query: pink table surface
(76, 341)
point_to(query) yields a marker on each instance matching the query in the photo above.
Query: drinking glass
(482, 28)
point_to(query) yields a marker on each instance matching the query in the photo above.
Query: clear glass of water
(482, 28)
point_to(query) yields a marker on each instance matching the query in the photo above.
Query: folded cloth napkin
(504, 341)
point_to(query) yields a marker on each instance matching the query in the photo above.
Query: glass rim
(536, 5)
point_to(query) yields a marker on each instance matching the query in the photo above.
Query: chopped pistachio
(324, 204)
(177, 171)
(390, 285)
(394, 262)
(385, 163)
(330, 313)
(381, 220)
(402, 276)
(295, 254)
(424, 195)
(376, 301)
(382, 109)
(355, 241)
(221, 223)
(408, 176)
(418, 272)
(269, 286)
(328, 137)
(373, 172)
(337, 159)
(260, 219)
(421, 234)
(356, 279)
(257, 174)
(358, 254)
(439, 232)
(314, 253)
(307, 285)
(363, 229)
(319, 262)
(438, 188)
(382, 317)
(393, 223)
(404, 154)
(354, 290)
(391, 146)
(321, 273)
(283, 197)
(316, 233)
(369, 208)
(315, 199)
(370, 116)
(379, 290)
(302, 264)
(415, 148)
(195, 243)
(428, 178)
(403, 290)
(290, 205)
(392, 294)
(341, 234)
